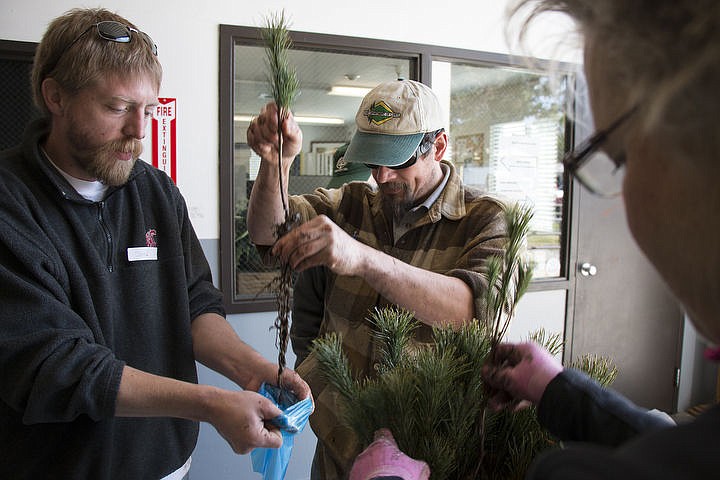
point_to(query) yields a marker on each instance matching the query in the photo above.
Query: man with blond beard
(107, 298)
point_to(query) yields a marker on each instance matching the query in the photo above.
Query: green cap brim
(381, 149)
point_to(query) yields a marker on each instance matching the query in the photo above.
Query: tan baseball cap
(391, 122)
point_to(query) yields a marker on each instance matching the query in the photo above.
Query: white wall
(186, 33)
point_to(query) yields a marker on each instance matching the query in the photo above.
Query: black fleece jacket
(74, 310)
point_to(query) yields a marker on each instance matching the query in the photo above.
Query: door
(622, 308)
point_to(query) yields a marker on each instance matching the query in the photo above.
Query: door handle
(588, 270)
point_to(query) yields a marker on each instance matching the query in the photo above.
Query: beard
(105, 167)
(100, 162)
(396, 204)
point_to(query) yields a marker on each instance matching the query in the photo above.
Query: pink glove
(382, 458)
(519, 372)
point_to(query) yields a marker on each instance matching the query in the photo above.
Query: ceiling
(317, 71)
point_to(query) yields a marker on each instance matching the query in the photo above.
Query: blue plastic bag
(272, 463)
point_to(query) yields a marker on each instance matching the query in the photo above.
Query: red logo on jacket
(150, 238)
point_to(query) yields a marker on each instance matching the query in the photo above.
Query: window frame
(421, 57)
(17, 50)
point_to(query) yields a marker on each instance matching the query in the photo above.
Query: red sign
(163, 134)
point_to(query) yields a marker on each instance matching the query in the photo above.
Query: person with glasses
(653, 70)
(107, 298)
(417, 239)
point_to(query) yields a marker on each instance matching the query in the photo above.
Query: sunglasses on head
(111, 31)
(117, 32)
(424, 147)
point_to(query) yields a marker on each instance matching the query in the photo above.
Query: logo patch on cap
(380, 113)
(341, 165)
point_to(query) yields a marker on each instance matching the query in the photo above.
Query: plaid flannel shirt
(461, 229)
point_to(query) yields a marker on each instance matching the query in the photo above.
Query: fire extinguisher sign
(164, 135)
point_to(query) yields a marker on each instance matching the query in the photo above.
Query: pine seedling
(431, 398)
(508, 275)
(336, 368)
(600, 368)
(284, 87)
(393, 328)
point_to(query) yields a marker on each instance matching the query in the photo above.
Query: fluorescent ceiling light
(349, 91)
(299, 119)
(320, 120)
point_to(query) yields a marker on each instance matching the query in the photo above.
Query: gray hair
(666, 53)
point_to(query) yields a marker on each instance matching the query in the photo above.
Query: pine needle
(600, 368)
(282, 77)
(335, 369)
(393, 329)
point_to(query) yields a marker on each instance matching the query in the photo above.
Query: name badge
(136, 254)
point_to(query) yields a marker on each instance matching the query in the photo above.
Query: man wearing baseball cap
(418, 239)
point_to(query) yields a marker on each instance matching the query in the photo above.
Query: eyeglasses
(596, 170)
(424, 147)
(111, 31)
(411, 161)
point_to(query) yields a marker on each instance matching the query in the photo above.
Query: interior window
(507, 137)
(505, 124)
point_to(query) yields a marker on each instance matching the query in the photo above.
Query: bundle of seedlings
(432, 397)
